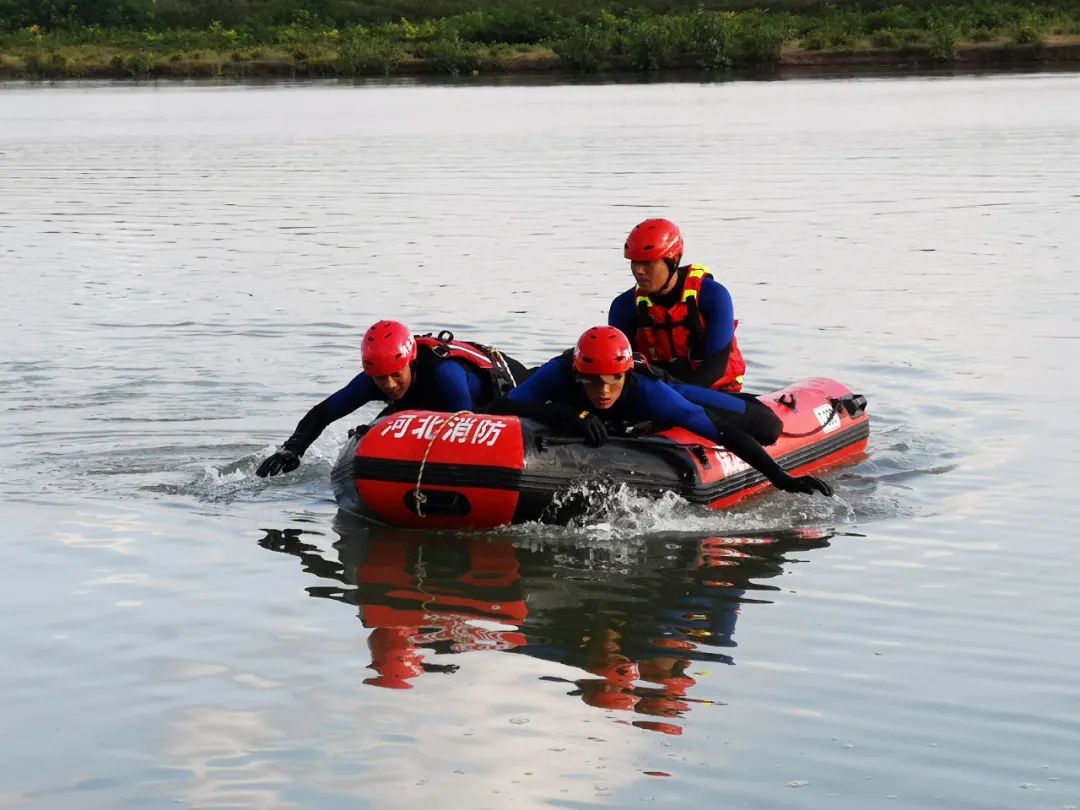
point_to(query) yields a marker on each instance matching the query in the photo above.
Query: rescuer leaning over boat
(406, 372)
(597, 390)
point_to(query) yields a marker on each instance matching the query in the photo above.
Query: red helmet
(394, 657)
(387, 348)
(654, 239)
(603, 350)
(663, 728)
(604, 695)
(618, 672)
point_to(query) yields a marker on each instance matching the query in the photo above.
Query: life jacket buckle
(502, 376)
(442, 350)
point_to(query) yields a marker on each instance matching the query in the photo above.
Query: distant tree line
(196, 38)
(255, 15)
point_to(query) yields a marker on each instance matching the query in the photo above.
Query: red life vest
(664, 334)
(479, 356)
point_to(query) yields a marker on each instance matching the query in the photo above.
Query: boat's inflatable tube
(474, 471)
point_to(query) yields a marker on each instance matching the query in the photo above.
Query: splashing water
(613, 514)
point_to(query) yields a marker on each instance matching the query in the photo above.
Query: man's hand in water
(282, 461)
(806, 484)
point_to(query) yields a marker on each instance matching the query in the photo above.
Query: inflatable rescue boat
(474, 471)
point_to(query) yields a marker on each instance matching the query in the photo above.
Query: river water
(186, 269)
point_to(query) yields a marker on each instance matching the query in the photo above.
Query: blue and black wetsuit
(742, 411)
(739, 411)
(644, 399)
(553, 396)
(712, 349)
(439, 384)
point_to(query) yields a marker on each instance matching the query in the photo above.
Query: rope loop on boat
(853, 404)
(419, 497)
(834, 412)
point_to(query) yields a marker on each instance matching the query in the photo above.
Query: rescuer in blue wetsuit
(431, 373)
(679, 317)
(597, 390)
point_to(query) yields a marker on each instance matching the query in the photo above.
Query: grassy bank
(518, 39)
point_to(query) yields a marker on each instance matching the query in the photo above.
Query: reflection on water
(632, 618)
(186, 270)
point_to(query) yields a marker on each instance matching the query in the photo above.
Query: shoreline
(1057, 51)
(1060, 52)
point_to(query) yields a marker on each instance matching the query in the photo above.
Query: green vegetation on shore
(140, 38)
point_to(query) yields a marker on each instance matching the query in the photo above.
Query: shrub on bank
(707, 39)
(523, 26)
(885, 38)
(758, 38)
(137, 65)
(1029, 31)
(942, 40)
(586, 49)
(451, 56)
(362, 55)
(651, 44)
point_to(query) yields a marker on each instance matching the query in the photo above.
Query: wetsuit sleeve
(623, 316)
(545, 397)
(741, 411)
(457, 386)
(707, 398)
(663, 405)
(549, 413)
(718, 311)
(359, 391)
(548, 383)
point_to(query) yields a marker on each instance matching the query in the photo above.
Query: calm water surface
(186, 269)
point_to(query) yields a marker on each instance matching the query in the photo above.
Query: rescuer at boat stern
(678, 316)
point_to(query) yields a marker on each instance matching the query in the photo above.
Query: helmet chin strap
(673, 268)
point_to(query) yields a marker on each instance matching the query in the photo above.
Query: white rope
(419, 496)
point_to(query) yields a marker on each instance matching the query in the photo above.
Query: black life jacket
(619, 418)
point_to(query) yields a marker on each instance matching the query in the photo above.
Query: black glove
(591, 427)
(282, 461)
(805, 484)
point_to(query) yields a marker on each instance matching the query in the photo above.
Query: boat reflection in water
(634, 615)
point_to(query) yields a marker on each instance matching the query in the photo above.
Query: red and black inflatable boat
(475, 471)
